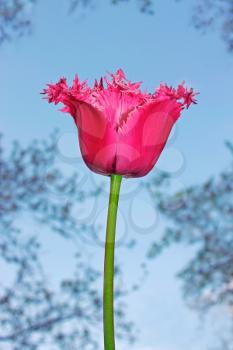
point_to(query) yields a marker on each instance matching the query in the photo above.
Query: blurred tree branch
(202, 216)
(208, 13)
(34, 315)
(16, 17)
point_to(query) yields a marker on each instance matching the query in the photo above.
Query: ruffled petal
(143, 138)
(97, 139)
(182, 94)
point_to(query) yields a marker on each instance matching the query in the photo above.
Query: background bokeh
(68, 223)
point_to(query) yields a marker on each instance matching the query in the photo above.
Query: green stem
(109, 339)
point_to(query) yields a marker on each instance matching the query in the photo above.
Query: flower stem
(109, 339)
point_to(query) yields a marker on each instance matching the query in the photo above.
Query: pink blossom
(122, 130)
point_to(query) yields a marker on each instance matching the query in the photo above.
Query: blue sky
(163, 47)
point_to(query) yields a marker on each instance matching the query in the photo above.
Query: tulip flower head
(122, 130)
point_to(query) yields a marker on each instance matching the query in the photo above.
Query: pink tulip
(122, 130)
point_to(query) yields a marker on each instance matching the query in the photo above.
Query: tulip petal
(145, 135)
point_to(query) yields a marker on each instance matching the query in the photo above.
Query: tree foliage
(215, 13)
(34, 314)
(15, 18)
(202, 216)
(16, 15)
